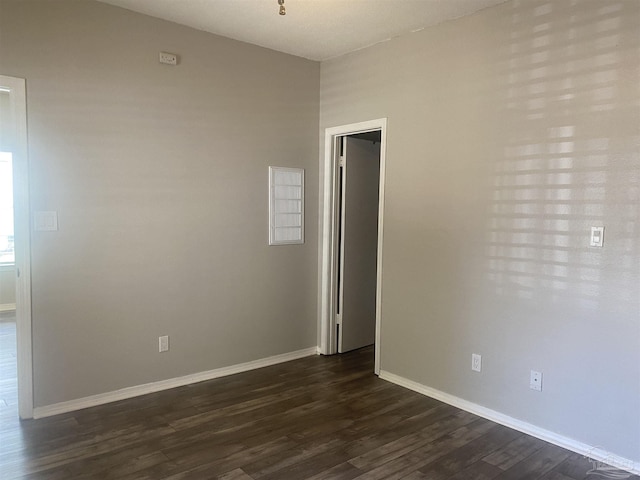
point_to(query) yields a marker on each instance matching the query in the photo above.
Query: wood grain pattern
(316, 418)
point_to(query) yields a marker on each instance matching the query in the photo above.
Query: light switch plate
(45, 221)
(597, 237)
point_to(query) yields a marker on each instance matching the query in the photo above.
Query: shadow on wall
(560, 174)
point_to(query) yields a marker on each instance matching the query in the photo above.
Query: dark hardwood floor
(315, 418)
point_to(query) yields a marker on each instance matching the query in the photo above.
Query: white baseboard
(7, 307)
(129, 392)
(589, 451)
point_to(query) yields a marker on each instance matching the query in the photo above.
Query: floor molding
(7, 307)
(589, 451)
(129, 392)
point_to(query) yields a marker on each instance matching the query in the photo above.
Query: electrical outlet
(163, 343)
(535, 381)
(168, 58)
(476, 362)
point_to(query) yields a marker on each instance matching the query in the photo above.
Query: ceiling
(313, 29)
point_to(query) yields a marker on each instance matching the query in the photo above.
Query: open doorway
(15, 268)
(8, 345)
(354, 182)
(357, 223)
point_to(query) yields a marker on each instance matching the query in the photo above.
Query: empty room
(320, 239)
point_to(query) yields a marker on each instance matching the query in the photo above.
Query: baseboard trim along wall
(595, 453)
(129, 392)
(7, 307)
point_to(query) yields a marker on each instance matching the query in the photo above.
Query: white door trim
(18, 105)
(328, 238)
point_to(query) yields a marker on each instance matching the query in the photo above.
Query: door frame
(16, 87)
(329, 233)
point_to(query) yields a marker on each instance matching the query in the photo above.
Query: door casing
(16, 87)
(328, 235)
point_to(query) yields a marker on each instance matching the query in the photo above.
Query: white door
(358, 240)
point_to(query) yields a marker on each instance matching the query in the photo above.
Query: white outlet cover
(163, 343)
(45, 221)
(476, 362)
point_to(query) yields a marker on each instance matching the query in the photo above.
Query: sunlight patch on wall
(558, 173)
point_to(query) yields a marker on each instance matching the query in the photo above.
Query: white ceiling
(314, 29)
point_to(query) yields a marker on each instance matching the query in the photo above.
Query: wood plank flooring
(314, 418)
(8, 382)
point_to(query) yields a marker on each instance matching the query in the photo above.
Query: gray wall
(159, 176)
(510, 133)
